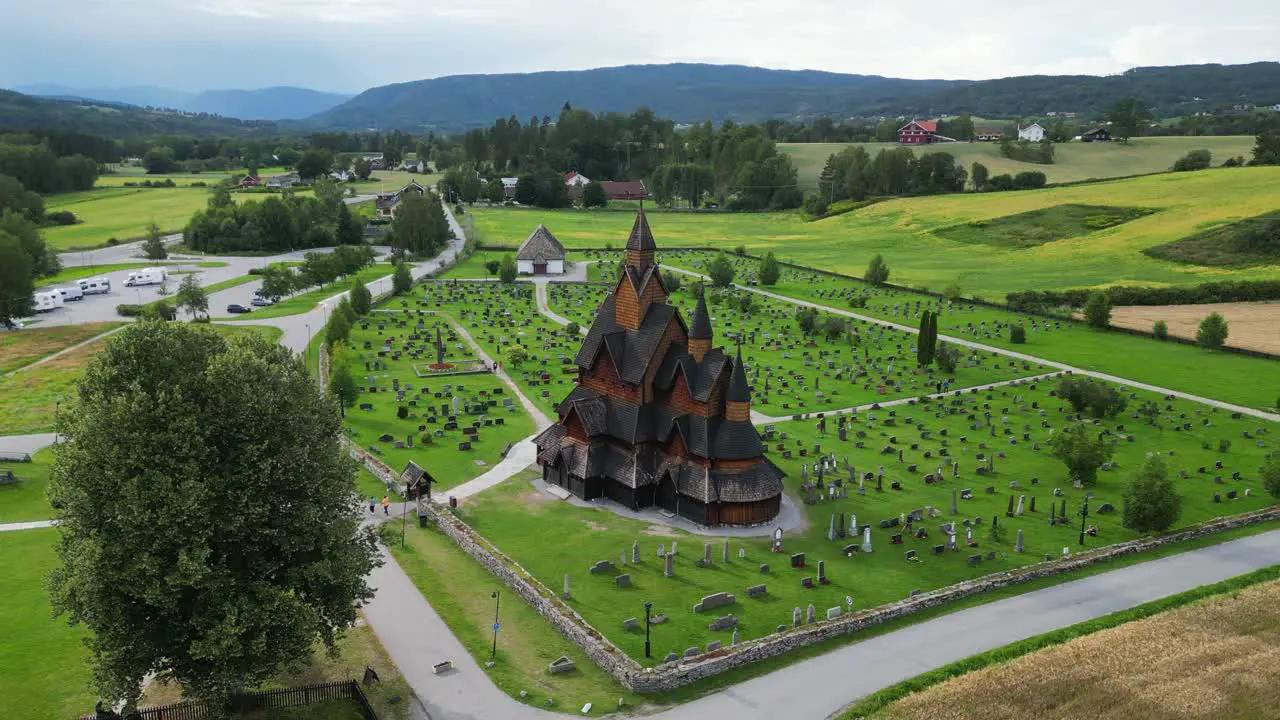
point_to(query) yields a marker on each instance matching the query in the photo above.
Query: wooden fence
(246, 702)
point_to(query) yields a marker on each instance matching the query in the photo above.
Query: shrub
(672, 280)
(877, 271)
(1160, 329)
(769, 270)
(402, 412)
(1097, 311)
(721, 271)
(740, 251)
(112, 242)
(1213, 332)
(62, 217)
(1079, 448)
(573, 328)
(1269, 474)
(1151, 502)
(833, 327)
(129, 310)
(858, 301)
(1194, 160)
(806, 318)
(1100, 399)
(1017, 334)
(815, 204)
(947, 357)
(517, 355)
(1029, 180)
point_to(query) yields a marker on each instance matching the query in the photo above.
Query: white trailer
(95, 286)
(159, 269)
(72, 292)
(146, 276)
(47, 301)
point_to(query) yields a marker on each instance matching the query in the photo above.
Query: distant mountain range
(693, 92)
(682, 92)
(273, 103)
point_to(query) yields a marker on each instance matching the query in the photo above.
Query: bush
(573, 328)
(1003, 181)
(946, 358)
(112, 242)
(833, 327)
(877, 271)
(672, 280)
(1097, 311)
(1017, 334)
(1269, 474)
(129, 310)
(769, 270)
(1079, 448)
(815, 204)
(1160, 329)
(62, 217)
(1194, 160)
(402, 412)
(1151, 502)
(721, 271)
(806, 318)
(1098, 398)
(740, 251)
(858, 301)
(1213, 332)
(1216, 292)
(1224, 446)
(1029, 180)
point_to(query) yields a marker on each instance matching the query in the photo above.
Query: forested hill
(23, 112)
(692, 93)
(682, 92)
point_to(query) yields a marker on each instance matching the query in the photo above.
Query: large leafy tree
(16, 285)
(1097, 310)
(342, 386)
(1127, 117)
(401, 279)
(720, 271)
(192, 297)
(361, 298)
(877, 271)
(153, 246)
(1212, 333)
(1151, 502)
(1081, 451)
(205, 521)
(44, 259)
(769, 270)
(420, 226)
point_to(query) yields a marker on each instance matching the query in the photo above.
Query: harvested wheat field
(1253, 325)
(1215, 659)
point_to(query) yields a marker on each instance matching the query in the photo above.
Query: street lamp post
(497, 602)
(57, 405)
(1084, 513)
(648, 606)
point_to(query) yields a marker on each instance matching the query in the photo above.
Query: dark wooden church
(659, 417)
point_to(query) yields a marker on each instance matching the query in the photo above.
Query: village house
(625, 189)
(918, 132)
(281, 182)
(250, 181)
(989, 135)
(1098, 134)
(509, 187)
(386, 203)
(1032, 133)
(658, 417)
(540, 254)
(342, 175)
(576, 179)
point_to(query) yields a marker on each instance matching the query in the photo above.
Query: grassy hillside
(902, 230)
(1073, 161)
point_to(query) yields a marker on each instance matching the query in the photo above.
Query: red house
(918, 132)
(250, 181)
(625, 189)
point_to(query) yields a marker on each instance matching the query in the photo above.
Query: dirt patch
(660, 530)
(1253, 325)
(1216, 659)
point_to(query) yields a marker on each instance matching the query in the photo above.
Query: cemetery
(425, 396)
(905, 504)
(795, 373)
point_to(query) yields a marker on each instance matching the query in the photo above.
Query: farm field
(902, 231)
(391, 351)
(1073, 161)
(21, 348)
(1218, 658)
(1253, 325)
(999, 460)
(1248, 381)
(124, 175)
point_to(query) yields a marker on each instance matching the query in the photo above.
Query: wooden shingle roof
(541, 246)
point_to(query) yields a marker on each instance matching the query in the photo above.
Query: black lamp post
(1084, 513)
(497, 602)
(648, 606)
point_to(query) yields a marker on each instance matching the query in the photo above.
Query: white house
(509, 187)
(541, 254)
(575, 178)
(1032, 132)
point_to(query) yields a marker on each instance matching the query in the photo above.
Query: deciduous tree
(342, 387)
(1213, 332)
(1078, 447)
(1151, 502)
(16, 285)
(1128, 116)
(1097, 310)
(720, 271)
(153, 247)
(212, 539)
(361, 298)
(192, 297)
(401, 279)
(507, 269)
(877, 271)
(769, 270)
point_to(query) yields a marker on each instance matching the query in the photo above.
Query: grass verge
(26, 500)
(305, 302)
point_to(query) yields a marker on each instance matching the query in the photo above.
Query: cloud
(349, 45)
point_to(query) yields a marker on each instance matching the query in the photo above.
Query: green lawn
(423, 401)
(1248, 381)
(1037, 227)
(42, 659)
(19, 348)
(903, 232)
(473, 267)
(458, 589)
(1072, 161)
(26, 501)
(121, 213)
(305, 302)
(233, 282)
(516, 519)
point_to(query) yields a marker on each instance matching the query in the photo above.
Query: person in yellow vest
(386, 504)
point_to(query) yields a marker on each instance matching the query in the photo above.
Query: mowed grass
(26, 500)
(459, 588)
(307, 301)
(1073, 161)
(43, 670)
(1037, 227)
(515, 517)
(29, 399)
(19, 348)
(903, 232)
(1218, 658)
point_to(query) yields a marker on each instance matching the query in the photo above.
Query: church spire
(640, 245)
(700, 329)
(738, 399)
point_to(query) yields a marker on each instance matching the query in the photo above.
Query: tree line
(274, 225)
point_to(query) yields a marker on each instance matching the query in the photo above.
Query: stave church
(659, 417)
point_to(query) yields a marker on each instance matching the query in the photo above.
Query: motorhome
(47, 300)
(147, 276)
(70, 293)
(95, 286)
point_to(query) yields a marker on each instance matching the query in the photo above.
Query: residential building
(280, 182)
(250, 181)
(509, 187)
(386, 203)
(1098, 134)
(918, 132)
(1033, 132)
(540, 254)
(624, 189)
(658, 417)
(989, 135)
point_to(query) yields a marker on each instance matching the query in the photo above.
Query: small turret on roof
(700, 330)
(738, 389)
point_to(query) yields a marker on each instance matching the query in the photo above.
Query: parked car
(236, 309)
(259, 301)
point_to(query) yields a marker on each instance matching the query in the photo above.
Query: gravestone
(622, 581)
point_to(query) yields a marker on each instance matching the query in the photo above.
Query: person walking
(386, 504)
(372, 504)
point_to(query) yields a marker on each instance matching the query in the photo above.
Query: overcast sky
(350, 45)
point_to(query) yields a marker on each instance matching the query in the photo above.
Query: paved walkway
(521, 456)
(9, 527)
(1008, 353)
(25, 444)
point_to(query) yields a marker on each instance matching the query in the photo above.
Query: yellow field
(1072, 161)
(1216, 659)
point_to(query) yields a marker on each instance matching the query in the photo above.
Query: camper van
(147, 276)
(95, 286)
(71, 293)
(48, 300)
